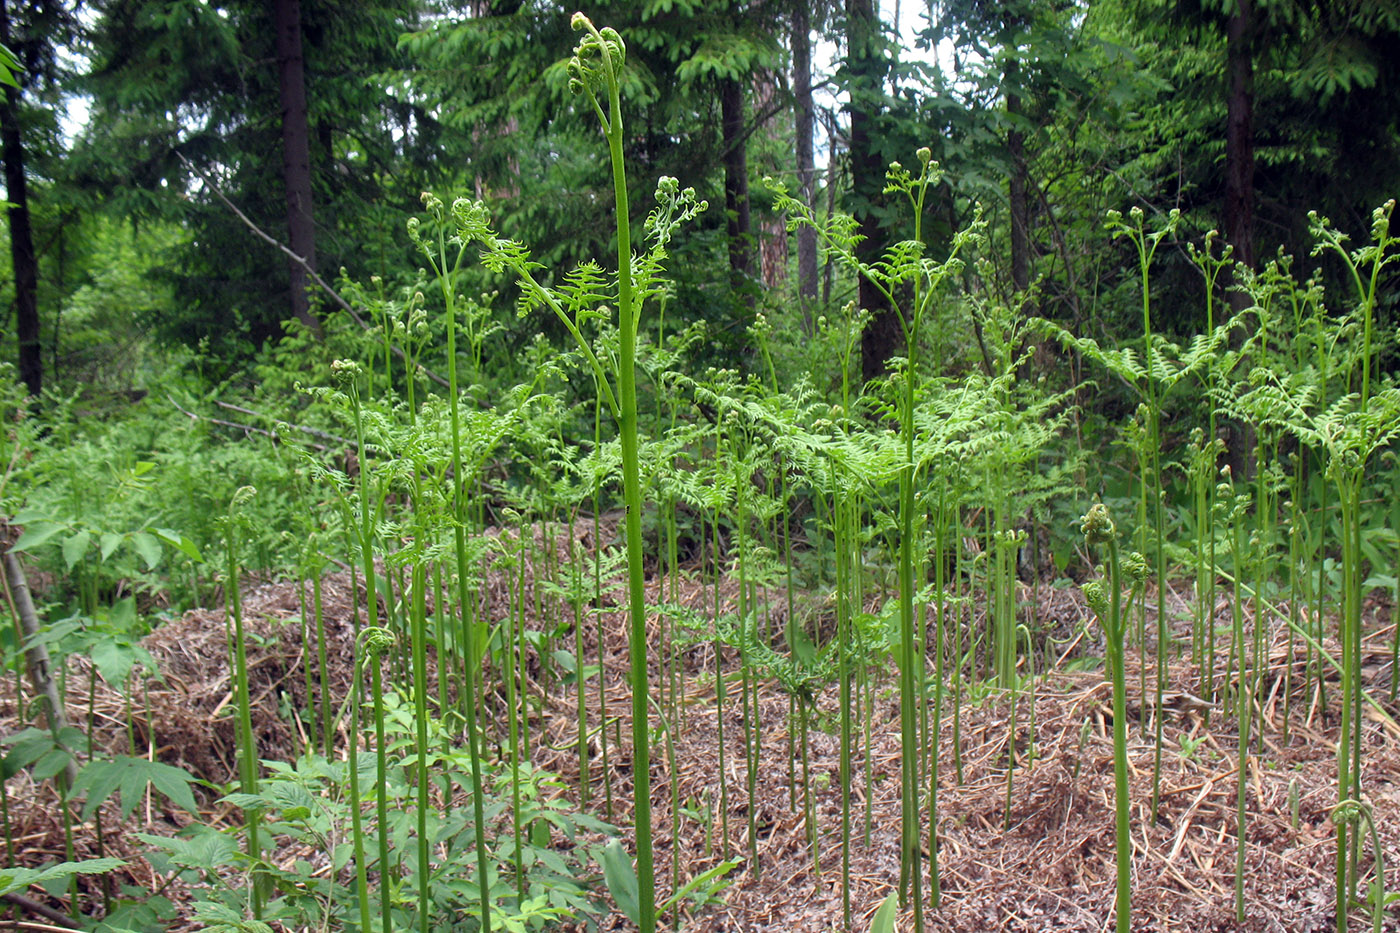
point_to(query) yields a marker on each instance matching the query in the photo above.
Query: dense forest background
(138, 128)
(769, 383)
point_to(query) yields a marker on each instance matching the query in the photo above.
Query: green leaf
(26, 747)
(205, 850)
(130, 777)
(340, 856)
(148, 547)
(180, 543)
(76, 547)
(108, 543)
(28, 515)
(36, 534)
(51, 762)
(554, 862)
(567, 661)
(54, 632)
(113, 660)
(17, 879)
(220, 918)
(622, 880)
(247, 801)
(706, 880)
(884, 917)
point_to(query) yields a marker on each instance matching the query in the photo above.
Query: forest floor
(1046, 863)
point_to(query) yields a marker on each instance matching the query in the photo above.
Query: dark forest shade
(296, 154)
(882, 337)
(26, 264)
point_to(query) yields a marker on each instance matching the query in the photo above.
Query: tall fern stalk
(437, 255)
(1099, 532)
(247, 742)
(608, 48)
(595, 70)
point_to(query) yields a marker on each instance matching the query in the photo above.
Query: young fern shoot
(595, 71)
(905, 265)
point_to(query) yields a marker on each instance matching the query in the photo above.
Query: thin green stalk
(598, 604)
(719, 677)
(841, 517)
(323, 678)
(935, 730)
(247, 741)
(1244, 705)
(580, 681)
(514, 620)
(608, 48)
(1099, 531)
(304, 632)
(375, 645)
(466, 601)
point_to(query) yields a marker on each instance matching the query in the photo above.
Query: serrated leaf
(220, 917)
(246, 801)
(340, 857)
(75, 548)
(710, 881)
(29, 515)
(17, 879)
(130, 777)
(122, 615)
(173, 783)
(113, 660)
(555, 862)
(55, 632)
(50, 763)
(206, 850)
(27, 747)
(108, 543)
(148, 547)
(36, 534)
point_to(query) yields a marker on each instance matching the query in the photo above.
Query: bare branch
(315, 276)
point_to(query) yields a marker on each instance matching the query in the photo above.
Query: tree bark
(883, 336)
(1239, 140)
(1016, 185)
(806, 161)
(736, 182)
(773, 239)
(36, 656)
(296, 155)
(26, 263)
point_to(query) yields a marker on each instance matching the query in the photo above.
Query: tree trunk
(296, 154)
(36, 656)
(806, 162)
(1239, 191)
(883, 336)
(26, 264)
(1239, 140)
(736, 183)
(1016, 184)
(773, 239)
